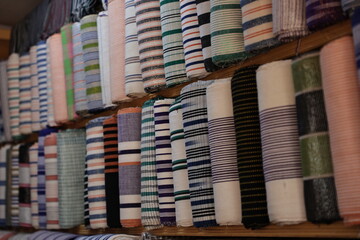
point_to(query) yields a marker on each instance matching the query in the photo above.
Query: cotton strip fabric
(257, 23)
(50, 98)
(289, 19)
(349, 6)
(4, 100)
(24, 187)
(249, 155)
(150, 44)
(13, 65)
(342, 101)
(48, 235)
(71, 161)
(179, 166)
(129, 137)
(25, 94)
(8, 187)
(193, 100)
(41, 55)
(280, 144)
(355, 19)
(33, 158)
(14, 186)
(35, 104)
(222, 141)
(227, 40)
(3, 180)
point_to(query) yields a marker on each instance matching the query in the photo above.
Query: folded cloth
(129, 137)
(110, 131)
(71, 146)
(48, 235)
(355, 19)
(150, 44)
(222, 141)
(25, 94)
(4, 235)
(194, 59)
(24, 187)
(81, 8)
(250, 164)
(3, 183)
(50, 98)
(349, 6)
(35, 104)
(5, 100)
(33, 158)
(20, 236)
(226, 30)
(342, 102)
(13, 180)
(179, 166)
(195, 120)
(57, 15)
(164, 162)
(257, 21)
(95, 167)
(317, 170)
(280, 143)
(41, 55)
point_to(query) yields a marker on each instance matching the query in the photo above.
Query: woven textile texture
(317, 170)
(41, 55)
(3, 180)
(355, 19)
(174, 61)
(339, 76)
(150, 44)
(129, 138)
(48, 235)
(195, 121)
(20, 236)
(24, 187)
(82, 8)
(109, 237)
(179, 166)
(13, 188)
(222, 141)
(33, 158)
(249, 155)
(25, 94)
(280, 143)
(257, 22)
(8, 187)
(13, 65)
(90, 47)
(4, 100)
(349, 6)
(50, 98)
(35, 104)
(71, 161)
(164, 162)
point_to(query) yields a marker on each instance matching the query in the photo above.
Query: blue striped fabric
(3, 180)
(34, 156)
(25, 94)
(14, 189)
(356, 36)
(109, 237)
(48, 235)
(35, 104)
(41, 54)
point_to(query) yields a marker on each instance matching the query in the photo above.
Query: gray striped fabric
(3, 181)
(349, 5)
(14, 185)
(35, 104)
(41, 55)
(25, 94)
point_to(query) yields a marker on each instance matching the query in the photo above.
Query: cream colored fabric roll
(50, 98)
(25, 94)
(35, 104)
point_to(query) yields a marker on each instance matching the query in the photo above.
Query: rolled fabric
(105, 4)
(71, 146)
(222, 141)
(289, 19)
(355, 20)
(150, 215)
(24, 187)
(349, 6)
(342, 103)
(193, 100)
(13, 65)
(257, 21)
(35, 104)
(20, 236)
(86, 197)
(48, 235)
(67, 51)
(33, 158)
(248, 139)
(280, 144)
(4, 100)
(179, 166)
(50, 98)
(129, 137)
(164, 162)
(78, 71)
(3, 181)
(203, 13)
(14, 185)
(194, 59)
(51, 184)
(25, 94)
(95, 168)
(58, 81)
(8, 187)
(317, 170)
(174, 61)
(150, 44)
(90, 43)
(110, 131)
(41, 55)
(226, 30)
(134, 86)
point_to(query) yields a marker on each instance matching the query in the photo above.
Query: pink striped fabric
(25, 94)
(33, 158)
(13, 93)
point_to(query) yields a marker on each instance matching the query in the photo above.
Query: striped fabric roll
(227, 40)
(194, 59)
(222, 141)
(3, 182)
(349, 6)
(35, 104)
(90, 43)
(58, 81)
(20, 236)
(50, 98)
(95, 167)
(342, 102)
(71, 146)
(8, 187)
(25, 94)
(164, 162)
(319, 185)
(289, 19)
(248, 138)
(134, 86)
(6, 234)
(280, 144)
(78, 71)
(33, 159)
(150, 215)
(150, 44)
(48, 235)
(129, 137)
(4, 100)
(111, 171)
(174, 61)
(51, 184)
(193, 100)
(86, 197)
(2, 133)
(257, 22)
(24, 187)
(14, 185)
(320, 14)
(109, 237)
(67, 50)
(355, 19)
(179, 166)
(41, 55)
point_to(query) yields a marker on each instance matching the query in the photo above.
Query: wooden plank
(5, 33)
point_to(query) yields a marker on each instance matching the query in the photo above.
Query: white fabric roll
(35, 104)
